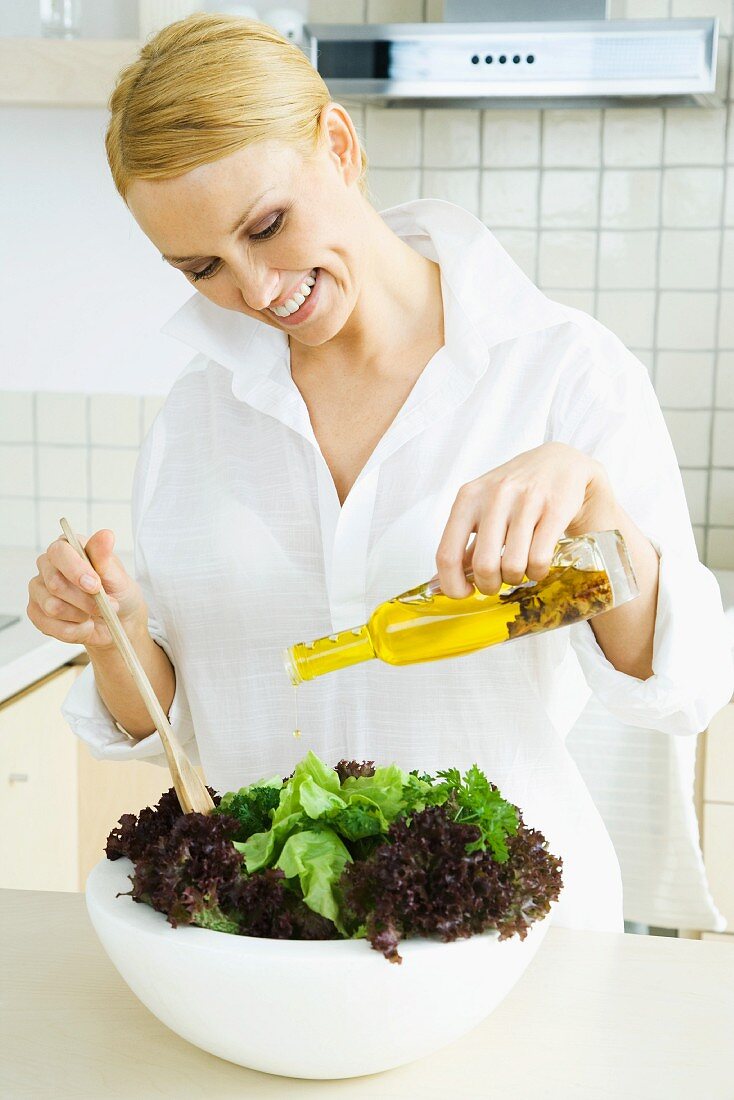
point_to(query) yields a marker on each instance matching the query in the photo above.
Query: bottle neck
(308, 660)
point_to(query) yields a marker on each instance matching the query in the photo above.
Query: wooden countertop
(596, 1015)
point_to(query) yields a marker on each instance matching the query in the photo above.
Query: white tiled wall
(625, 213)
(68, 455)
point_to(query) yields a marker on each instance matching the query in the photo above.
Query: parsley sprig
(479, 802)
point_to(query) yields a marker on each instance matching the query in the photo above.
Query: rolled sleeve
(617, 420)
(692, 677)
(86, 713)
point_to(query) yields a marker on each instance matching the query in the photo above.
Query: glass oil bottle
(588, 574)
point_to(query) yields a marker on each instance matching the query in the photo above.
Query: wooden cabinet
(716, 815)
(38, 780)
(58, 803)
(78, 72)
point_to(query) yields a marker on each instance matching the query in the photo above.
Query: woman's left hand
(525, 505)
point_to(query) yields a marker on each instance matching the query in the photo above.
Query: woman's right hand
(62, 608)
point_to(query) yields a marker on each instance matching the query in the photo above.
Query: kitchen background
(625, 213)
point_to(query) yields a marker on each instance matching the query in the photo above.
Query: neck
(399, 307)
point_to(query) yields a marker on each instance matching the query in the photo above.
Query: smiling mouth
(293, 303)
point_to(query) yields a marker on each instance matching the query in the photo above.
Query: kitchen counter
(596, 1015)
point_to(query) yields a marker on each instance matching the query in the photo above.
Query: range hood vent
(564, 63)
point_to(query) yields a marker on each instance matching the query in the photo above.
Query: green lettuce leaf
(262, 849)
(385, 788)
(310, 767)
(317, 857)
(316, 801)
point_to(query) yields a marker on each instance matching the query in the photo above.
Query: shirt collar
(490, 299)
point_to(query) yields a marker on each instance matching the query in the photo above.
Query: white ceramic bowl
(302, 1008)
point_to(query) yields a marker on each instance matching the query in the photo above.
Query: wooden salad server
(189, 786)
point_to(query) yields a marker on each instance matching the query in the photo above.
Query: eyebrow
(238, 224)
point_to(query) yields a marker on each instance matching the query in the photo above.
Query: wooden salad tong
(189, 786)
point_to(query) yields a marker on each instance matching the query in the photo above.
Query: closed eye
(213, 267)
(270, 230)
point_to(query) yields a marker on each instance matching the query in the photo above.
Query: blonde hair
(206, 86)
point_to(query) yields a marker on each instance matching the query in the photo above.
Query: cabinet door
(108, 789)
(718, 844)
(38, 779)
(719, 780)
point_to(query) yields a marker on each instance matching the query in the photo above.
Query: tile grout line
(36, 476)
(480, 175)
(599, 183)
(572, 168)
(78, 446)
(88, 414)
(658, 257)
(717, 322)
(539, 195)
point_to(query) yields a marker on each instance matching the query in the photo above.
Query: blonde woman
(369, 390)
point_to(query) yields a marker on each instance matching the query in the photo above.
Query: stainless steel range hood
(566, 63)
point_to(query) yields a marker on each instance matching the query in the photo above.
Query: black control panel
(355, 60)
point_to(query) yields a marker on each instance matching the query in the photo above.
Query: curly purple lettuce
(187, 867)
(422, 881)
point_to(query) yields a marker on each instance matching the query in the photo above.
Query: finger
(69, 563)
(56, 584)
(99, 550)
(452, 547)
(59, 609)
(466, 562)
(486, 560)
(549, 529)
(51, 605)
(517, 543)
(55, 628)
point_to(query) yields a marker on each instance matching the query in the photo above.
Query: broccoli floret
(252, 806)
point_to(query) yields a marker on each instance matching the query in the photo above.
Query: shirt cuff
(693, 670)
(91, 721)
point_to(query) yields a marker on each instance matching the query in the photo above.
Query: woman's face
(248, 229)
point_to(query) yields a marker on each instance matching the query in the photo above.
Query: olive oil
(589, 574)
(296, 727)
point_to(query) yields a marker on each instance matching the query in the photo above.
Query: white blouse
(242, 548)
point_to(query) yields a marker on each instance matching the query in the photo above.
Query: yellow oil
(422, 626)
(296, 727)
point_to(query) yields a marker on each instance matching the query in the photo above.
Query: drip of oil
(296, 729)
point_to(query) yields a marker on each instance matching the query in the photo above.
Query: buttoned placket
(259, 357)
(445, 381)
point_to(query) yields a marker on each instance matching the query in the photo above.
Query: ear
(340, 141)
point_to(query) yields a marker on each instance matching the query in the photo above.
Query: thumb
(107, 565)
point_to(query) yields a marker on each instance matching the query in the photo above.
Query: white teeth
(292, 304)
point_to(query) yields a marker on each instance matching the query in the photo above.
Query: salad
(344, 852)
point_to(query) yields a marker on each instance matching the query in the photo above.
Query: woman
(369, 391)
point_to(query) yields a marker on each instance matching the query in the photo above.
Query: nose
(258, 288)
